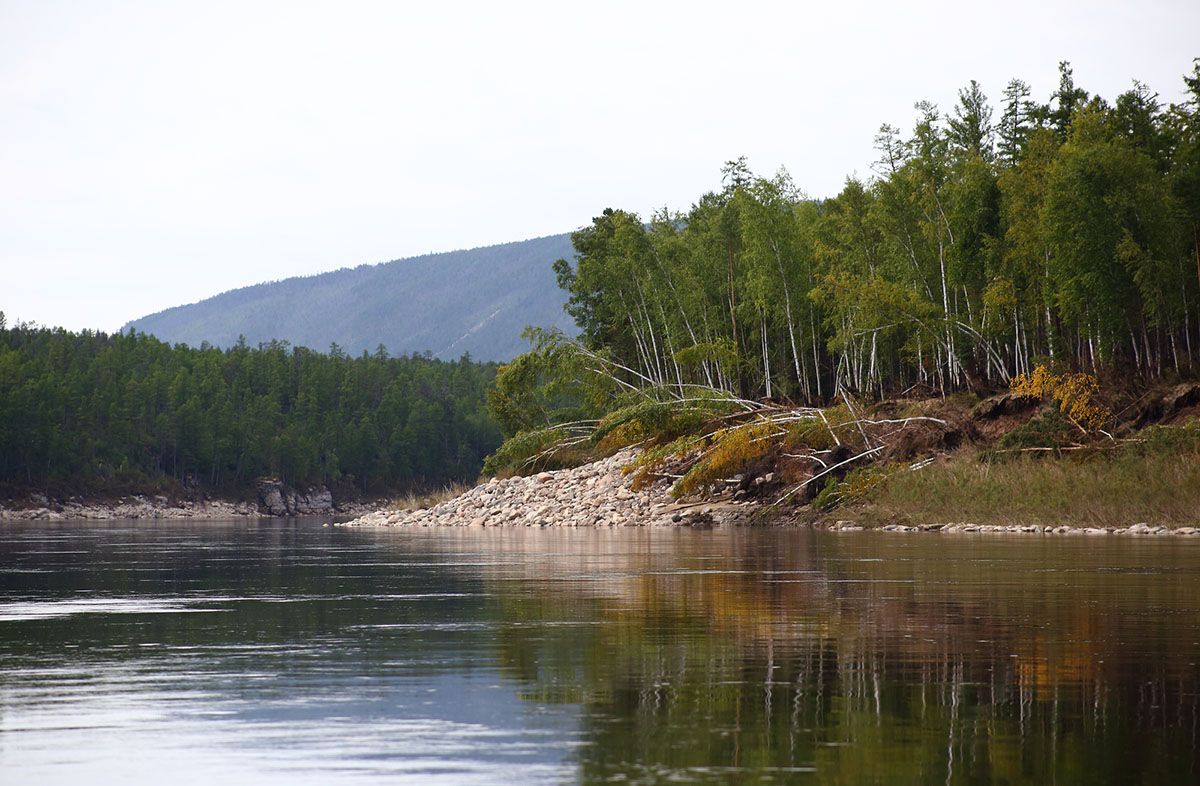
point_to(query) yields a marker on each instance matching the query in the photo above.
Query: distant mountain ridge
(475, 301)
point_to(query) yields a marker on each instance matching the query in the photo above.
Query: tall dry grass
(1097, 491)
(421, 500)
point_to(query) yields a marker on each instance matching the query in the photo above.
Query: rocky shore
(132, 507)
(593, 495)
(273, 499)
(1026, 529)
(600, 495)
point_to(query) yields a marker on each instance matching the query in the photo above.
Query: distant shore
(274, 500)
(132, 507)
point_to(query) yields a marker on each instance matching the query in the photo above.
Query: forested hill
(475, 301)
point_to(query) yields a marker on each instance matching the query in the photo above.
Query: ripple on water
(23, 610)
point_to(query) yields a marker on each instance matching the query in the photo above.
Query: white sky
(157, 153)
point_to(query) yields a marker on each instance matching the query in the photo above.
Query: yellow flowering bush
(1073, 392)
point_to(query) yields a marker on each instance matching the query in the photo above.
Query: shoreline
(132, 507)
(289, 504)
(596, 494)
(600, 495)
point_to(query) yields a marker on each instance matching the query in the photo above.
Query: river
(273, 651)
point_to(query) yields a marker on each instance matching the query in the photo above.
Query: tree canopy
(1066, 232)
(131, 408)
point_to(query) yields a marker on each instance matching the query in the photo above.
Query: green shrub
(1049, 433)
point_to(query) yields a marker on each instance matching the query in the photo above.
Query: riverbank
(268, 498)
(597, 494)
(1013, 462)
(1009, 463)
(602, 494)
(133, 507)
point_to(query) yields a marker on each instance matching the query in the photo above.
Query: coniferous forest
(100, 411)
(992, 238)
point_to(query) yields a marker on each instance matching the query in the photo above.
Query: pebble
(136, 507)
(596, 494)
(600, 495)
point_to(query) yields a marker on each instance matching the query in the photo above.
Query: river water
(291, 652)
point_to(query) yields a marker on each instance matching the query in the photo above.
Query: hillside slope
(475, 301)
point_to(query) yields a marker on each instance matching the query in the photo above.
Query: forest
(989, 241)
(98, 411)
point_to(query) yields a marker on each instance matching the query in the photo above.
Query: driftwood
(792, 491)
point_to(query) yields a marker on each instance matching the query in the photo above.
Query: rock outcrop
(278, 500)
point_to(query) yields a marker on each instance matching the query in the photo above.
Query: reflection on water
(561, 656)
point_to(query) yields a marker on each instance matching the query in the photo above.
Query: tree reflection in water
(798, 656)
(643, 656)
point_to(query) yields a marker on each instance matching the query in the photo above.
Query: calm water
(287, 652)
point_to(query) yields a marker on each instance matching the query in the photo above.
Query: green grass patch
(857, 484)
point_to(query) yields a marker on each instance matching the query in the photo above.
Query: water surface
(291, 652)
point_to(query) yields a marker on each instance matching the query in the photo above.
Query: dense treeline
(127, 407)
(1065, 231)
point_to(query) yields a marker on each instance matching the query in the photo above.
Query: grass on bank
(421, 500)
(1133, 486)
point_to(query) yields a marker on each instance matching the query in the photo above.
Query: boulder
(271, 497)
(275, 499)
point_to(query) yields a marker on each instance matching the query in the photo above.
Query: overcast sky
(157, 153)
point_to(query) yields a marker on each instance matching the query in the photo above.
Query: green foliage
(1073, 238)
(539, 387)
(833, 426)
(1180, 441)
(1051, 431)
(530, 451)
(127, 407)
(561, 403)
(635, 422)
(664, 419)
(856, 485)
(729, 452)
(814, 434)
(553, 393)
